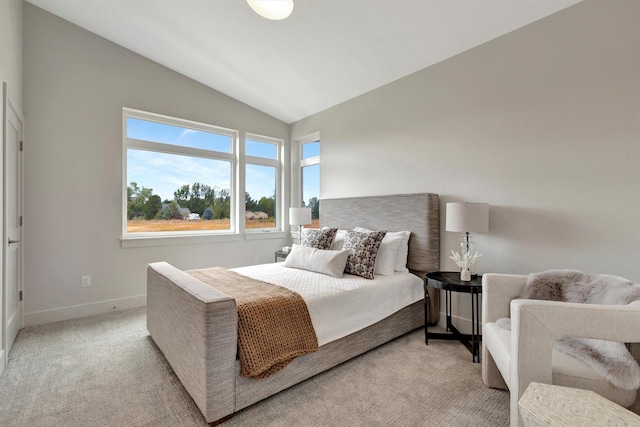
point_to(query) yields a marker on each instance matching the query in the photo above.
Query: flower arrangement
(467, 261)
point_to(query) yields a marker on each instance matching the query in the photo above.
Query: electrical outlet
(86, 281)
(255, 260)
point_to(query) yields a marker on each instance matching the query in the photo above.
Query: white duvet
(339, 307)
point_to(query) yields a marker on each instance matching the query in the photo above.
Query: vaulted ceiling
(326, 52)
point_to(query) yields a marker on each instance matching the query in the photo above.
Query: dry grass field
(146, 226)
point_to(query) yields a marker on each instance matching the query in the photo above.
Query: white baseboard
(82, 310)
(101, 307)
(461, 323)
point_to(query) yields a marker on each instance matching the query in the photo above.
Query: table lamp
(467, 218)
(299, 217)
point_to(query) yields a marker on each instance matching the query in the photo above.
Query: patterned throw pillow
(319, 239)
(364, 250)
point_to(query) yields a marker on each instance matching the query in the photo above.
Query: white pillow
(403, 249)
(386, 261)
(317, 260)
(338, 241)
(403, 252)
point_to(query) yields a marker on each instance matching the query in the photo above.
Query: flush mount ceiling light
(272, 9)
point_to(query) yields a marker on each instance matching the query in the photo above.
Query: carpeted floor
(106, 371)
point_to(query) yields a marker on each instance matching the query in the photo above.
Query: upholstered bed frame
(195, 325)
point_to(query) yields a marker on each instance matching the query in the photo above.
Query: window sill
(191, 239)
(266, 234)
(183, 239)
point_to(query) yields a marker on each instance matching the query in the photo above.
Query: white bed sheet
(341, 306)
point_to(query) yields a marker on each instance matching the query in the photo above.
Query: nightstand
(281, 255)
(450, 282)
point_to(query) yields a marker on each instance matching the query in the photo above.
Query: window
(262, 183)
(178, 176)
(310, 176)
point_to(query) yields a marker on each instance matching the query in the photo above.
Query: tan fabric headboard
(418, 213)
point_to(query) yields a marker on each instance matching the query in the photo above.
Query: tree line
(314, 204)
(209, 202)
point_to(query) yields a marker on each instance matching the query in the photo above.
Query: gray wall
(76, 84)
(543, 124)
(11, 48)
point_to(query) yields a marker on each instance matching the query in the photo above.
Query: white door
(12, 273)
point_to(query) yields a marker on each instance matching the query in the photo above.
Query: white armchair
(513, 359)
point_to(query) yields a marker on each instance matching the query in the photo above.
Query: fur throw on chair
(610, 359)
(576, 286)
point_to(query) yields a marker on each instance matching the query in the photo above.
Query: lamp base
(467, 247)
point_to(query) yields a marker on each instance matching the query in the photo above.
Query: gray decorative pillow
(363, 249)
(319, 239)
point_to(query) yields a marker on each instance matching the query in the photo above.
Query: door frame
(3, 353)
(7, 106)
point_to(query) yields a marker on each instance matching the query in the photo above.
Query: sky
(166, 172)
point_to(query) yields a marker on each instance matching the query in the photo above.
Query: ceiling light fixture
(272, 9)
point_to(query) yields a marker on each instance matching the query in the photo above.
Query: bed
(195, 325)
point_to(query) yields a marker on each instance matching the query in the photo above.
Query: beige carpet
(106, 371)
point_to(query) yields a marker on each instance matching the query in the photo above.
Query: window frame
(179, 237)
(278, 163)
(297, 195)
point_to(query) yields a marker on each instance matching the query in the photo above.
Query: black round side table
(449, 281)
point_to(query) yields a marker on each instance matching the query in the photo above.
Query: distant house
(256, 215)
(185, 212)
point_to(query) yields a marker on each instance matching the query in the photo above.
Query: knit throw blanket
(610, 359)
(274, 325)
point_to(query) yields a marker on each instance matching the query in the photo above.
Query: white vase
(465, 275)
(467, 247)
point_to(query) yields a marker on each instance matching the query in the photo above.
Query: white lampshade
(299, 216)
(272, 9)
(468, 217)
